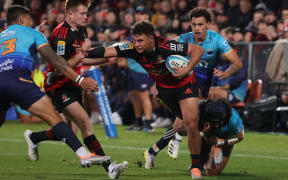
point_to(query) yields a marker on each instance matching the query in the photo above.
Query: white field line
(139, 149)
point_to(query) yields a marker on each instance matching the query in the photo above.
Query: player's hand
(154, 91)
(220, 74)
(181, 72)
(89, 84)
(42, 26)
(80, 50)
(212, 139)
(86, 45)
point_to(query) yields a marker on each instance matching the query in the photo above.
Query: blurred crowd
(110, 20)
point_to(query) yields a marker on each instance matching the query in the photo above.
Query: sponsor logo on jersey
(123, 47)
(6, 65)
(7, 33)
(177, 47)
(61, 48)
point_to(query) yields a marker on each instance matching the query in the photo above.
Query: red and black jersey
(62, 39)
(154, 62)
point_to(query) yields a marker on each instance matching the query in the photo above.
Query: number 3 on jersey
(9, 46)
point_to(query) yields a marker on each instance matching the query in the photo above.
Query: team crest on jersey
(61, 47)
(126, 46)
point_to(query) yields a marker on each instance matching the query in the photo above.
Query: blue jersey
(234, 127)
(214, 45)
(19, 45)
(134, 66)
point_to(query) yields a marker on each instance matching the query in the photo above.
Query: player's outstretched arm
(62, 66)
(226, 142)
(236, 64)
(97, 56)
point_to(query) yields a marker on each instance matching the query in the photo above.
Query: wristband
(220, 142)
(80, 80)
(77, 79)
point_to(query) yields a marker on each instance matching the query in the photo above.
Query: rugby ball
(176, 61)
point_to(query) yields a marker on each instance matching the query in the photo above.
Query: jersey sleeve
(177, 48)
(237, 125)
(40, 39)
(223, 45)
(183, 38)
(125, 50)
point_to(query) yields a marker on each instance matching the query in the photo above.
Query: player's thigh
(189, 108)
(78, 114)
(64, 96)
(44, 109)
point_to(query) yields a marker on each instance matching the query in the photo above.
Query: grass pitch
(259, 156)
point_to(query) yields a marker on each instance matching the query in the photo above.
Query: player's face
(79, 16)
(143, 42)
(199, 26)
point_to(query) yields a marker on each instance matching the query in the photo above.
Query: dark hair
(72, 4)
(142, 27)
(204, 111)
(14, 12)
(200, 12)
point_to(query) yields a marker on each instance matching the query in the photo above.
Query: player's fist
(89, 84)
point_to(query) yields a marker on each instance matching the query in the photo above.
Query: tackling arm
(236, 63)
(63, 67)
(226, 142)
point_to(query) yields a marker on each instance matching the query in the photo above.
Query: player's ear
(21, 19)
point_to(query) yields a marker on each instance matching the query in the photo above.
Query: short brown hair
(72, 4)
(142, 27)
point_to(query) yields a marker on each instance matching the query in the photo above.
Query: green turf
(259, 156)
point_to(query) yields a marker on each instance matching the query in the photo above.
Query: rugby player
(19, 45)
(214, 45)
(64, 93)
(150, 51)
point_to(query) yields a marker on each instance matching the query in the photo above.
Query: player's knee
(191, 126)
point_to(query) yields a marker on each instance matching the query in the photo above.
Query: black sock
(170, 115)
(196, 161)
(163, 142)
(138, 121)
(37, 137)
(160, 112)
(64, 132)
(93, 145)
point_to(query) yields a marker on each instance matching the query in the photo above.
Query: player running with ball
(150, 51)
